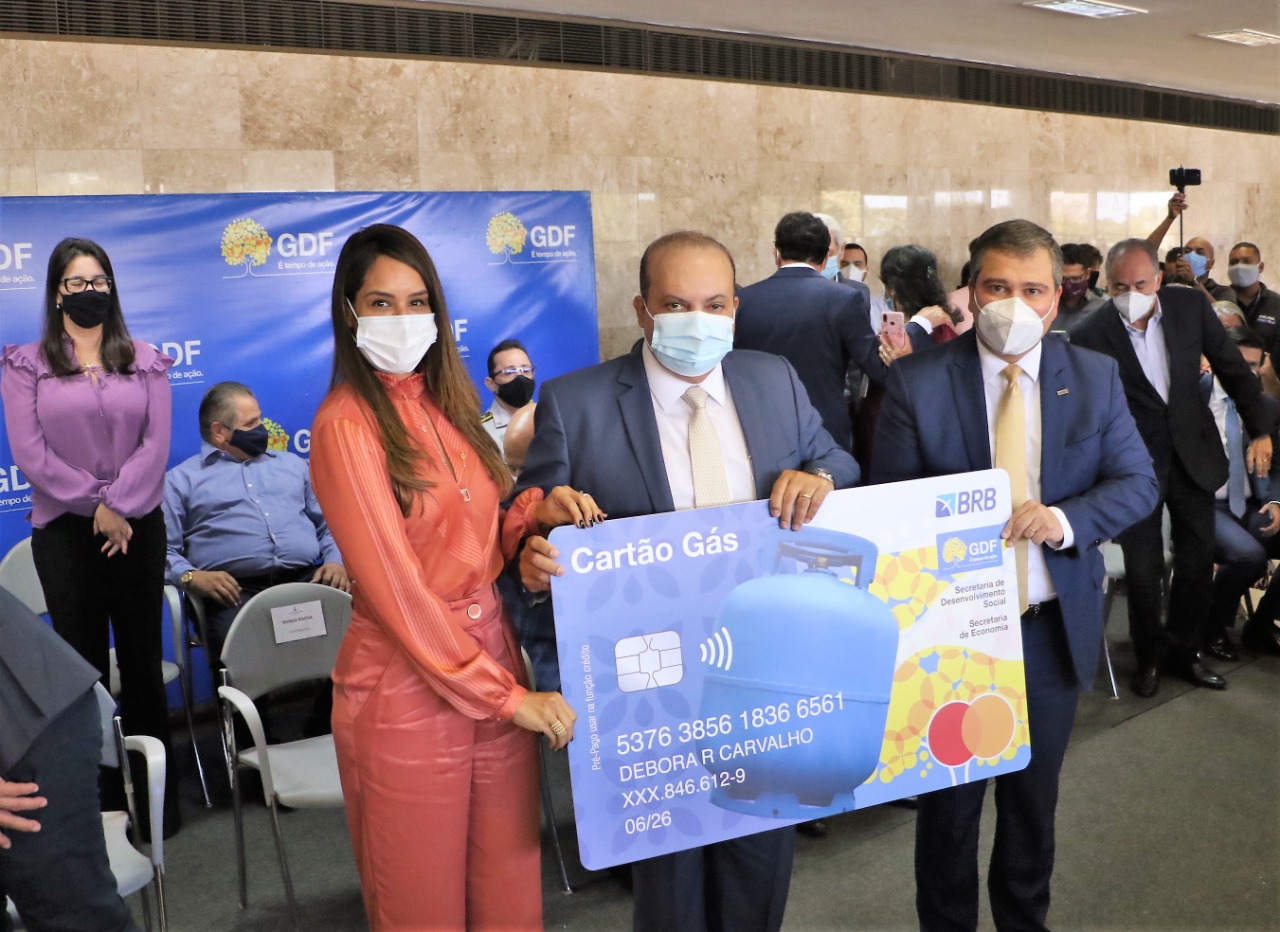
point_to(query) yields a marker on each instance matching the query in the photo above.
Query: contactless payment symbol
(648, 661)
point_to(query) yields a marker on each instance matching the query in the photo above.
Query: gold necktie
(710, 483)
(1011, 456)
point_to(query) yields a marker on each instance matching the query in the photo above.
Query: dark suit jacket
(596, 431)
(1184, 426)
(40, 676)
(819, 327)
(1093, 464)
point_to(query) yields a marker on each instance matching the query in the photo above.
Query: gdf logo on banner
(954, 504)
(13, 258)
(506, 236)
(246, 243)
(15, 491)
(278, 437)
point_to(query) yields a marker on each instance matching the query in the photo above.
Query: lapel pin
(1064, 391)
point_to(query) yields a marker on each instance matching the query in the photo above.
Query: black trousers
(59, 877)
(90, 594)
(739, 885)
(947, 821)
(1191, 512)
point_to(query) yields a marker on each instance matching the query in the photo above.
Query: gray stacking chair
(299, 774)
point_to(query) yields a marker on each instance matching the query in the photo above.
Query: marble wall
(657, 154)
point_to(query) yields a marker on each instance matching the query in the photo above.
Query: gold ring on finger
(557, 727)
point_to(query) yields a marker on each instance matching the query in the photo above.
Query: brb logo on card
(974, 549)
(648, 661)
(954, 504)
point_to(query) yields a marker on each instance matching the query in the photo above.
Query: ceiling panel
(1161, 48)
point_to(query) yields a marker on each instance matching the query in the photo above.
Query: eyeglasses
(512, 371)
(77, 284)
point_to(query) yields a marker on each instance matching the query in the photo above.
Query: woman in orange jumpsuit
(434, 727)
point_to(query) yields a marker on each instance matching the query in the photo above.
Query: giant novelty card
(731, 677)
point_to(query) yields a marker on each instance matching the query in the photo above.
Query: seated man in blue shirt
(240, 517)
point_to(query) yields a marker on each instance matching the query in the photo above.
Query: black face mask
(1093, 278)
(253, 442)
(87, 309)
(517, 393)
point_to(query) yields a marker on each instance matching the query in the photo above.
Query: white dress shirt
(1040, 586)
(1150, 347)
(1218, 408)
(673, 412)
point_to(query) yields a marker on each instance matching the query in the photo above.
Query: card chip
(648, 661)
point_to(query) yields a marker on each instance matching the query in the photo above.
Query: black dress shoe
(815, 829)
(1192, 669)
(1146, 680)
(1261, 636)
(1222, 648)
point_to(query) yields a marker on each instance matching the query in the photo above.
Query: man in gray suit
(54, 867)
(682, 422)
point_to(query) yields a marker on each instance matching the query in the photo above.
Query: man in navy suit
(1087, 477)
(816, 325)
(1158, 336)
(55, 866)
(631, 433)
(1246, 518)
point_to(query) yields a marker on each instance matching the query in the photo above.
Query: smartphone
(893, 328)
(1181, 177)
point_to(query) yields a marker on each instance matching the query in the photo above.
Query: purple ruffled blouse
(79, 443)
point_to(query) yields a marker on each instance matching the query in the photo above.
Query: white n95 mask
(1134, 305)
(1010, 326)
(395, 344)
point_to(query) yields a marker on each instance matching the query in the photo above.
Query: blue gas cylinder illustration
(821, 646)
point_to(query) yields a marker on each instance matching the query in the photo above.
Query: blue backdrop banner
(237, 287)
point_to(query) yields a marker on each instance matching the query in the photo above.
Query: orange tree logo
(506, 235)
(277, 436)
(245, 242)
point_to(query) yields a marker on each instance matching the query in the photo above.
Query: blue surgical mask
(832, 269)
(1199, 264)
(690, 343)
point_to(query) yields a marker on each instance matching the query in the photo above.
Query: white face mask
(396, 343)
(1134, 305)
(1244, 276)
(1010, 326)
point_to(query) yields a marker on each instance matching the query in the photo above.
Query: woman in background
(433, 723)
(911, 286)
(87, 410)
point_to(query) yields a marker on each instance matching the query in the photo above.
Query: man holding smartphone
(817, 325)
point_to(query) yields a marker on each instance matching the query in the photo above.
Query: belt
(1040, 609)
(284, 574)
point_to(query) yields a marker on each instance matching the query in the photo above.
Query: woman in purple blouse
(87, 411)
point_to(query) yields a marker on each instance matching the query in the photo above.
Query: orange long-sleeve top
(405, 569)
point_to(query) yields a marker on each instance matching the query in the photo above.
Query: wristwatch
(186, 578)
(822, 474)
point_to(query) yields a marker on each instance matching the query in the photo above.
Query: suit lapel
(971, 404)
(1055, 397)
(635, 406)
(749, 402)
(1113, 330)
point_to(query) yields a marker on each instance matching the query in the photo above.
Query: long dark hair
(446, 377)
(911, 273)
(117, 346)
